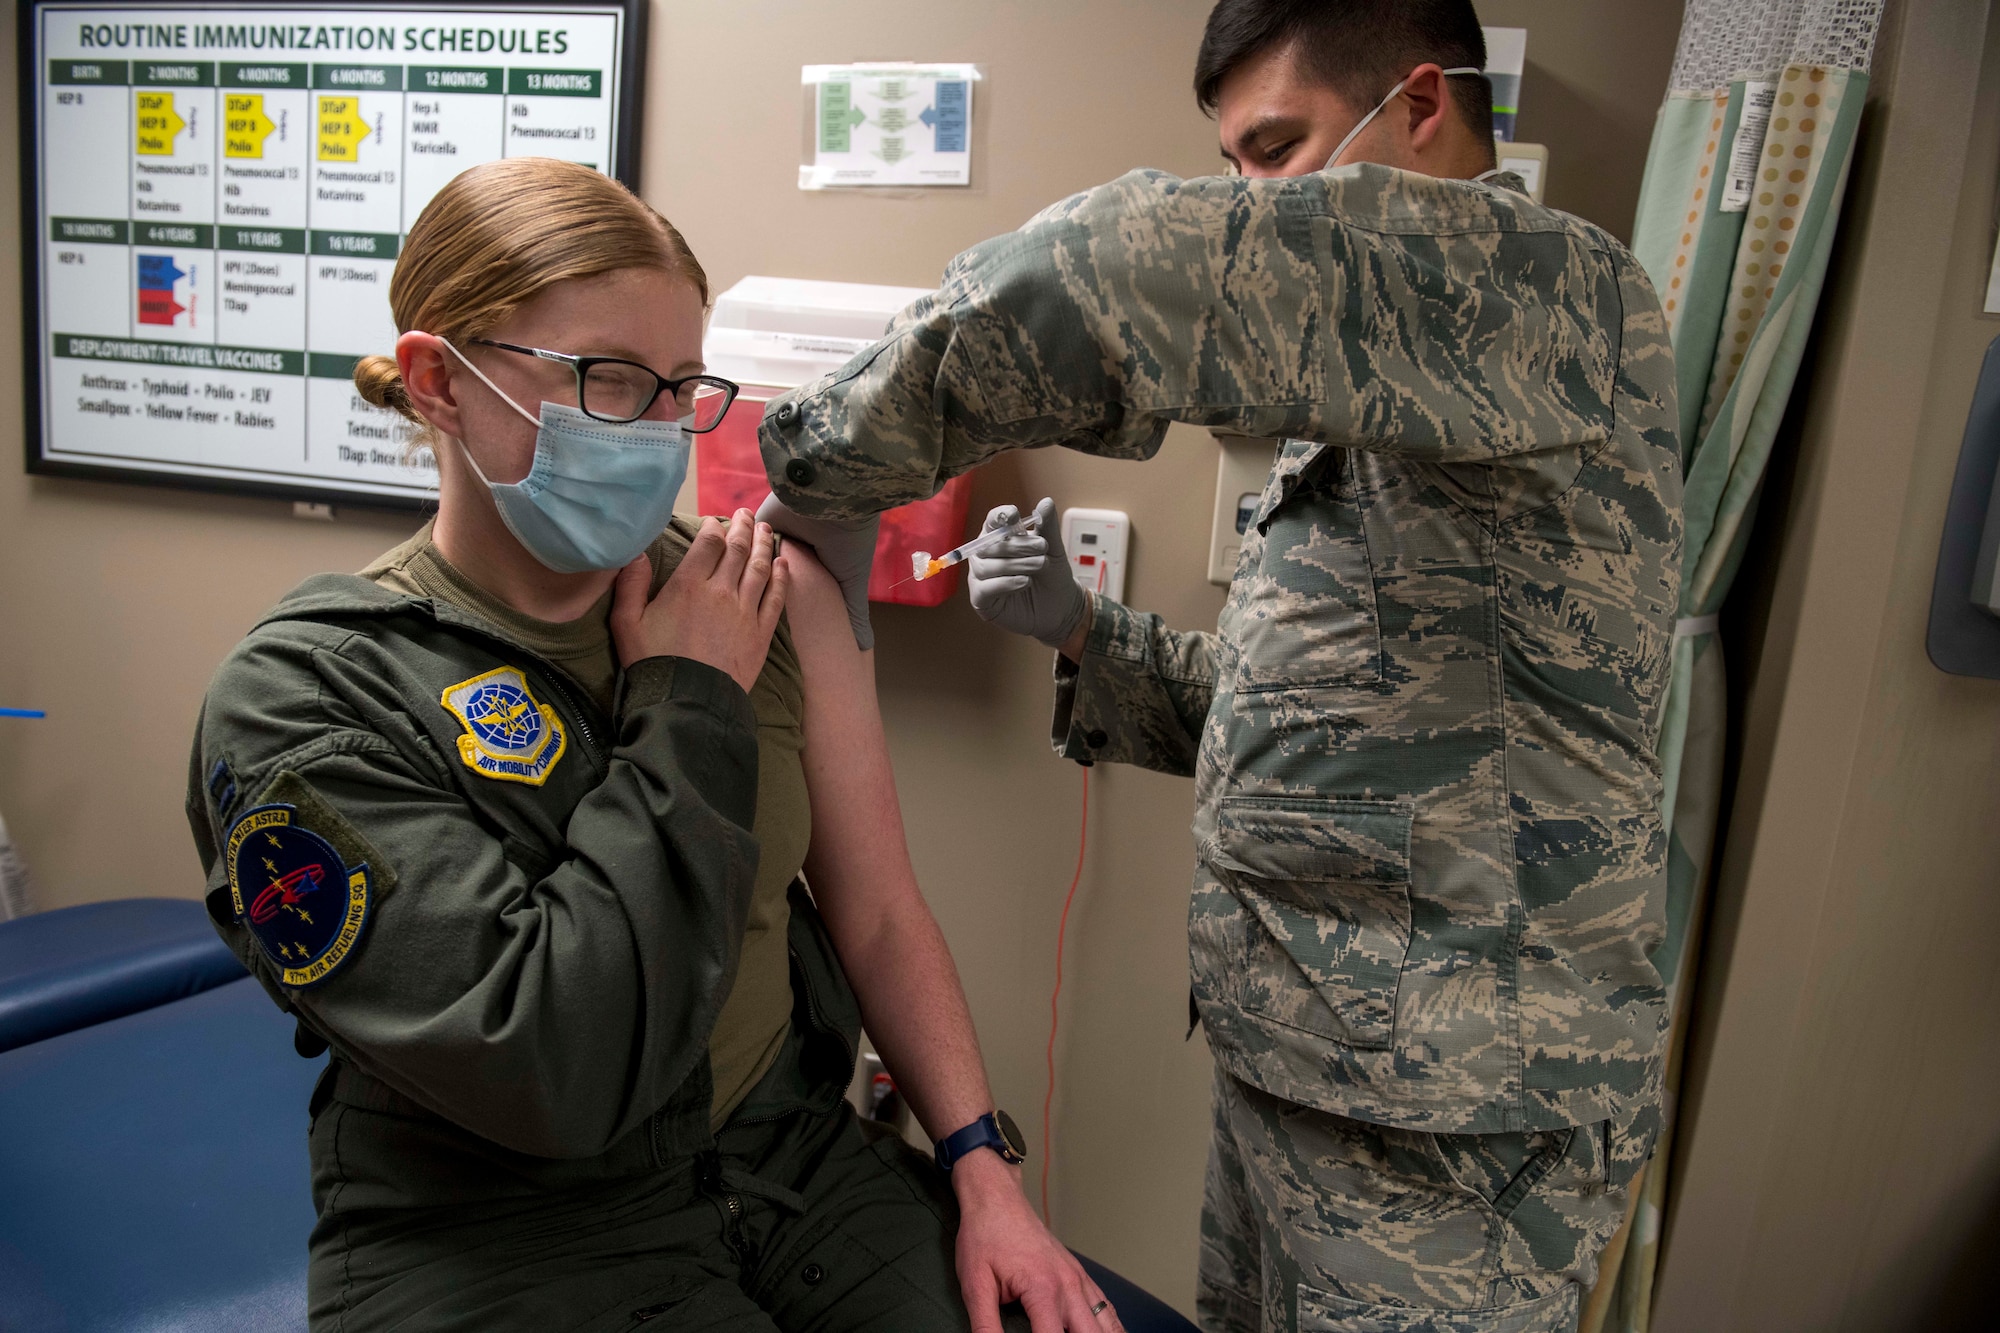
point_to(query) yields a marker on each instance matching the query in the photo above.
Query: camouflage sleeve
(1139, 695)
(1367, 307)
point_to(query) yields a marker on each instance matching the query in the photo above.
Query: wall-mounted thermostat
(1097, 540)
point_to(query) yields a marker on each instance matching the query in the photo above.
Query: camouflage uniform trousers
(1315, 1223)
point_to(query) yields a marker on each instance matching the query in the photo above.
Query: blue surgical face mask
(1362, 124)
(598, 492)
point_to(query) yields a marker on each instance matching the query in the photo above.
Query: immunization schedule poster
(222, 193)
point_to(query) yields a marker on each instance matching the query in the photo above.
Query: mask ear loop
(1362, 124)
(532, 419)
(536, 422)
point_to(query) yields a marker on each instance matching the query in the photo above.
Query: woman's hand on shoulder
(719, 607)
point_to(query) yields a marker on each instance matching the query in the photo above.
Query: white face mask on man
(1362, 124)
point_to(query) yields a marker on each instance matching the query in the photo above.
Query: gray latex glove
(1022, 583)
(846, 546)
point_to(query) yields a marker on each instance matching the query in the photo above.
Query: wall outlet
(1529, 161)
(1239, 484)
(1097, 540)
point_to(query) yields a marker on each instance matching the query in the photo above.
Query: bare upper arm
(843, 723)
(859, 863)
(817, 614)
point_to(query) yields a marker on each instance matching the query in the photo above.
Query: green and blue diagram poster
(890, 123)
(222, 193)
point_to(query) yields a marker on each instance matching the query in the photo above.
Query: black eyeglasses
(611, 389)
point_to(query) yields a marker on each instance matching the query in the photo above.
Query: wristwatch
(995, 1130)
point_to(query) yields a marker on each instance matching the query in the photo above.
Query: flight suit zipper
(732, 1207)
(554, 674)
(727, 1201)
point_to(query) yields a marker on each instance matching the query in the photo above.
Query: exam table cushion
(1139, 1310)
(67, 969)
(153, 1171)
(153, 1174)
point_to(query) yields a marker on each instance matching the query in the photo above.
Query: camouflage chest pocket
(1328, 883)
(1301, 611)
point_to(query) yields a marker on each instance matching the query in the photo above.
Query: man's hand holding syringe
(1019, 578)
(1018, 572)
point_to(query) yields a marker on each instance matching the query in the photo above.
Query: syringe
(924, 566)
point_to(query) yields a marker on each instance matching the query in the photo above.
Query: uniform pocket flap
(1285, 838)
(1328, 881)
(1325, 1312)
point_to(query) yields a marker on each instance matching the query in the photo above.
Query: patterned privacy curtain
(1737, 213)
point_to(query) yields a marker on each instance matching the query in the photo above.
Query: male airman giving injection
(1430, 858)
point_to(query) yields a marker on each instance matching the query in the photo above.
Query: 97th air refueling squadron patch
(509, 735)
(291, 889)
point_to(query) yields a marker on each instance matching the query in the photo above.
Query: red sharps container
(773, 334)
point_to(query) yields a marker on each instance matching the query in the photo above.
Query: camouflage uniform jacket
(1431, 863)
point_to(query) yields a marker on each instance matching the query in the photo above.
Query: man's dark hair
(1358, 48)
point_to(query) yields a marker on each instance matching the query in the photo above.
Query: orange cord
(1055, 1014)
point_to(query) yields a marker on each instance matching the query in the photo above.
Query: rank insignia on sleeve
(303, 904)
(508, 735)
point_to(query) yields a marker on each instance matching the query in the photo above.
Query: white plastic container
(774, 334)
(779, 333)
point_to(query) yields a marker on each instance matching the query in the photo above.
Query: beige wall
(1841, 1153)
(116, 602)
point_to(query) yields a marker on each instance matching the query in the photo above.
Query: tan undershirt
(751, 1028)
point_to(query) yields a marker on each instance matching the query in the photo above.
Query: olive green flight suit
(513, 919)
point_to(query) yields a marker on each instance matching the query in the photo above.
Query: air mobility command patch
(305, 906)
(508, 735)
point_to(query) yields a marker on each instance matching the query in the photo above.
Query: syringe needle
(923, 565)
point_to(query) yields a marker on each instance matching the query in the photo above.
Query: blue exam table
(153, 1171)
(76, 966)
(152, 1133)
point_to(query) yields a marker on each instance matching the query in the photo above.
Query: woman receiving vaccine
(518, 823)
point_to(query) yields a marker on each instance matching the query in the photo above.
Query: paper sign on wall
(218, 193)
(889, 123)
